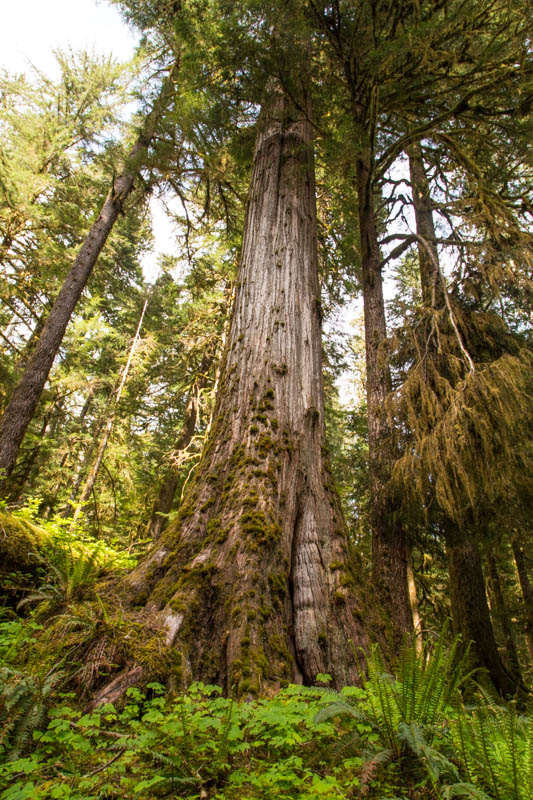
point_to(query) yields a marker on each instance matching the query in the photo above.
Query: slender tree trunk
(501, 616)
(389, 545)
(428, 256)
(21, 407)
(95, 469)
(17, 483)
(87, 456)
(527, 592)
(470, 609)
(47, 506)
(163, 505)
(415, 608)
(253, 582)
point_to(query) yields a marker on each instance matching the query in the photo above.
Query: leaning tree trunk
(389, 544)
(23, 402)
(253, 583)
(470, 609)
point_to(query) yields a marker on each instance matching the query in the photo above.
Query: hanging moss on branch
(468, 427)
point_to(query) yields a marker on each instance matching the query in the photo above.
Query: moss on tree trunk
(253, 585)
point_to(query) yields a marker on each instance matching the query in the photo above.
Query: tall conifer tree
(253, 583)
(23, 402)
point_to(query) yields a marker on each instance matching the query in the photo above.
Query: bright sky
(31, 29)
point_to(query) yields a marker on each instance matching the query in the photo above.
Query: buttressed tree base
(253, 586)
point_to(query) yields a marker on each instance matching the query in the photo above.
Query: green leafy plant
(197, 745)
(15, 634)
(305, 743)
(496, 748)
(72, 576)
(407, 713)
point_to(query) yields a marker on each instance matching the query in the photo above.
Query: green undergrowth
(57, 534)
(36, 552)
(406, 736)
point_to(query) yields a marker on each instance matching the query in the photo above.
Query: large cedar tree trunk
(253, 583)
(389, 544)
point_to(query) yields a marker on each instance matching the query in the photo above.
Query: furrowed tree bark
(253, 583)
(389, 544)
(163, 505)
(23, 402)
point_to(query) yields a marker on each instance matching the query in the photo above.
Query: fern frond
(495, 745)
(462, 789)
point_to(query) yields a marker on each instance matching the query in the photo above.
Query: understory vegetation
(410, 735)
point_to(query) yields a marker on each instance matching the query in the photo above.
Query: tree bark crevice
(252, 581)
